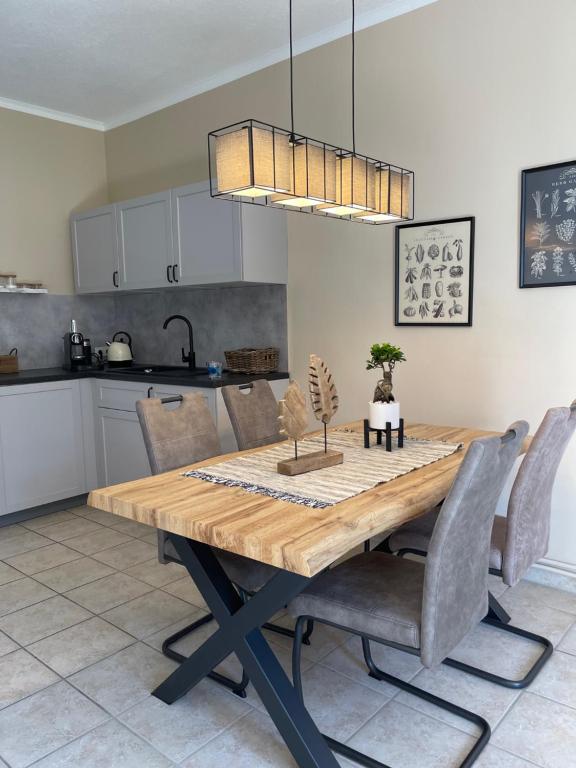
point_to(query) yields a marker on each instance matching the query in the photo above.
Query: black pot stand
(387, 432)
(240, 633)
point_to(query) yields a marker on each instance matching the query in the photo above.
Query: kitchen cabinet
(181, 237)
(42, 450)
(145, 242)
(95, 250)
(219, 241)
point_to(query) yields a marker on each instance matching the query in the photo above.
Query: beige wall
(47, 169)
(466, 92)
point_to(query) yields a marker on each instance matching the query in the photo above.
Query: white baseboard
(553, 573)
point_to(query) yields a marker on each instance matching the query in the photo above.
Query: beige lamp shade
(392, 194)
(313, 172)
(355, 187)
(252, 162)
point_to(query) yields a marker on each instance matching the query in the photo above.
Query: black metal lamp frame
(387, 432)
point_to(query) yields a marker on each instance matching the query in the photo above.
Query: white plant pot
(380, 413)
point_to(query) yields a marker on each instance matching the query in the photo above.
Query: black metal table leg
(239, 632)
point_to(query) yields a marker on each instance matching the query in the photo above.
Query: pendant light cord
(353, 80)
(291, 75)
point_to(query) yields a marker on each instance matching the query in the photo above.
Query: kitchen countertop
(40, 375)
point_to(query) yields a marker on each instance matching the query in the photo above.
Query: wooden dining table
(300, 541)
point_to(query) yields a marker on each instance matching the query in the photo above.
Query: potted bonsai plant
(383, 407)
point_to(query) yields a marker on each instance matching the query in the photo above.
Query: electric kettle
(120, 352)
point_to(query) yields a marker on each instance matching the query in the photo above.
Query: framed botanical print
(548, 226)
(435, 272)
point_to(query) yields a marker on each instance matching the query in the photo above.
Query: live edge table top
(287, 535)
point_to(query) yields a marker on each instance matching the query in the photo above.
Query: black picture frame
(438, 229)
(546, 202)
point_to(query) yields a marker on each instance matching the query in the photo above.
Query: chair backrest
(176, 438)
(455, 596)
(253, 411)
(529, 507)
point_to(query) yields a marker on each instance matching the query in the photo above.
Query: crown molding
(327, 35)
(51, 114)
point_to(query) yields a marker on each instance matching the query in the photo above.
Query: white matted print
(435, 272)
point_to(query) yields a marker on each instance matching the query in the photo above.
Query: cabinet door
(264, 244)
(41, 449)
(95, 250)
(206, 237)
(121, 454)
(145, 242)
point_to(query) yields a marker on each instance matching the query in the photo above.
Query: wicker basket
(252, 360)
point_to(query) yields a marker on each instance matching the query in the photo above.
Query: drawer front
(121, 396)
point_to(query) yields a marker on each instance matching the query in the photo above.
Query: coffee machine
(77, 354)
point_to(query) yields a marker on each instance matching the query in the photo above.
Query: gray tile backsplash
(222, 318)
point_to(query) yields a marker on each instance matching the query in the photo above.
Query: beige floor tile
(73, 574)
(21, 675)
(492, 757)
(77, 647)
(43, 558)
(348, 659)
(124, 679)
(22, 542)
(90, 543)
(39, 724)
(127, 555)
(252, 742)
(6, 644)
(537, 617)
(189, 643)
(400, 736)
(19, 594)
(486, 699)
(37, 523)
(155, 573)
(70, 529)
(110, 745)
(150, 538)
(132, 528)
(107, 593)
(8, 532)
(540, 731)
(185, 589)
(496, 585)
(148, 614)
(568, 644)
(558, 679)
(338, 705)
(96, 515)
(42, 619)
(183, 727)
(530, 593)
(7, 574)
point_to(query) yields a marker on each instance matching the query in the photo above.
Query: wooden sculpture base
(309, 462)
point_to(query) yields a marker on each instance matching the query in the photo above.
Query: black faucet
(189, 358)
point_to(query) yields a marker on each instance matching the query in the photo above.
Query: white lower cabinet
(42, 452)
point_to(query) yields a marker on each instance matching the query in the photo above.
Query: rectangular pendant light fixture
(253, 162)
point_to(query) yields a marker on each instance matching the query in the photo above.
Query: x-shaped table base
(239, 632)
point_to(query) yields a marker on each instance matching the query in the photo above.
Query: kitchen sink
(159, 370)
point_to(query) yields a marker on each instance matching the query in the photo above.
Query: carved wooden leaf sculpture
(292, 414)
(322, 390)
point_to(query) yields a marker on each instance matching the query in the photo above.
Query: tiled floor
(84, 607)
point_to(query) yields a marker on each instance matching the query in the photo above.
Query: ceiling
(102, 63)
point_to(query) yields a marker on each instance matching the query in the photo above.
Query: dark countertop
(177, 377)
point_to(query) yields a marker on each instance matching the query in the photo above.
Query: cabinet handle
(115, 278)
(174, 268)
(150, 390)
(168, 274)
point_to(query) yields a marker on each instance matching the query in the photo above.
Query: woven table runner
(362, 468)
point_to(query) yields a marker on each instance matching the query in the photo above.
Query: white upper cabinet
(145, 241)
(181, 237)
(95, 250)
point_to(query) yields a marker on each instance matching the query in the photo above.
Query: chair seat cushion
(248, 574)
(373, 593)
(417, 534)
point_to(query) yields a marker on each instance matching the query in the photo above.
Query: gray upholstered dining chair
(253, 412)
(174, 439)
(426, 608)
(518, 540)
